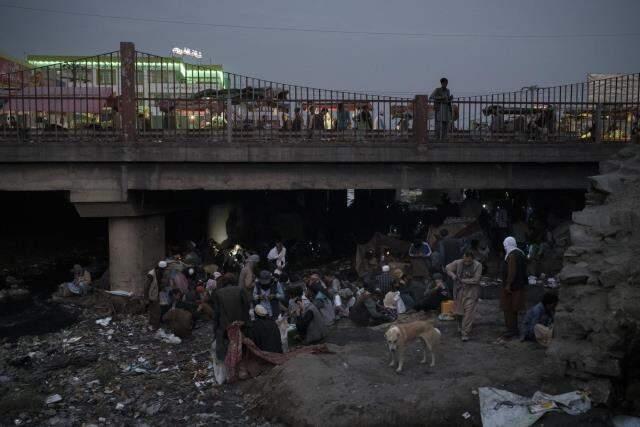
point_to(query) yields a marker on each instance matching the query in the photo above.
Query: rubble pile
(598, 341)
(113, 371)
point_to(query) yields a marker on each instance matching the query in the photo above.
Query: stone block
(613, 276)
(609, 166)
(626, 220)
(599, 389)
(583, 236)
(610, 183)
(574, 274)
(602, 366)
(595, 217)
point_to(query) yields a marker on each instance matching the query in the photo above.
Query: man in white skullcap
(152, 290)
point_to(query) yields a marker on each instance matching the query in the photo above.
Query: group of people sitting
(266, 301)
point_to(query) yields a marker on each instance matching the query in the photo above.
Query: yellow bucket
(446, 307)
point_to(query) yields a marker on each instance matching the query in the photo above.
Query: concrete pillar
(127, 106)
(136, 244)
(217, 222)
(420, 116)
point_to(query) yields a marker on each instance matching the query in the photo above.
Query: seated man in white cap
(264, 331)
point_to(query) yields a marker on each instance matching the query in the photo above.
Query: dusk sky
(481, 46)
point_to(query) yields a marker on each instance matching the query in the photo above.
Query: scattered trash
(446, 317)
(104, 322)
(120, 293)
(119, 407)
(168, 338)
(501, 408)
(474, 392)
(466, 415)
(54, 398)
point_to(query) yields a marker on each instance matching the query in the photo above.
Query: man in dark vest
(264, 331)
(513, 297)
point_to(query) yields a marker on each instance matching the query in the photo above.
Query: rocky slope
(597, 337)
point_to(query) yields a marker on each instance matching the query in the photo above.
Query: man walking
(466, 273)
(230, 304)
(441, 98)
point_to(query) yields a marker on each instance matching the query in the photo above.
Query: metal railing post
(127, 104)
(597, 128)
(420, 119)
(229, 120)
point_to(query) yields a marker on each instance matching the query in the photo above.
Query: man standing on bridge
(441, 98)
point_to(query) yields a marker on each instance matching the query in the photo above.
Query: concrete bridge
(110, 148)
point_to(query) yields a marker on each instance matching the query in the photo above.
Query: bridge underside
(121, 177)
(117, 181)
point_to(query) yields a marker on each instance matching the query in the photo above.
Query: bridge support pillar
(136, 244)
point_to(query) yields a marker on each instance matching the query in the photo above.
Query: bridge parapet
(130, 96)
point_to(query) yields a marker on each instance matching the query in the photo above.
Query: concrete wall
(217, 222)
(136, 244)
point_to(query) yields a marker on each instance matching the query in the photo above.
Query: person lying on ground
(538, 322)
(264, 331)
(368, 312)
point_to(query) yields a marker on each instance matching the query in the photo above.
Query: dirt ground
(120, 374)
(354, 386)
(117, 375)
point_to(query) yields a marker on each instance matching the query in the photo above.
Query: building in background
(71, 92)
(11, 67)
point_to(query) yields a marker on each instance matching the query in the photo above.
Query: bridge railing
(74, 99)
(130, 95)
(601, 109)
(202, 101)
